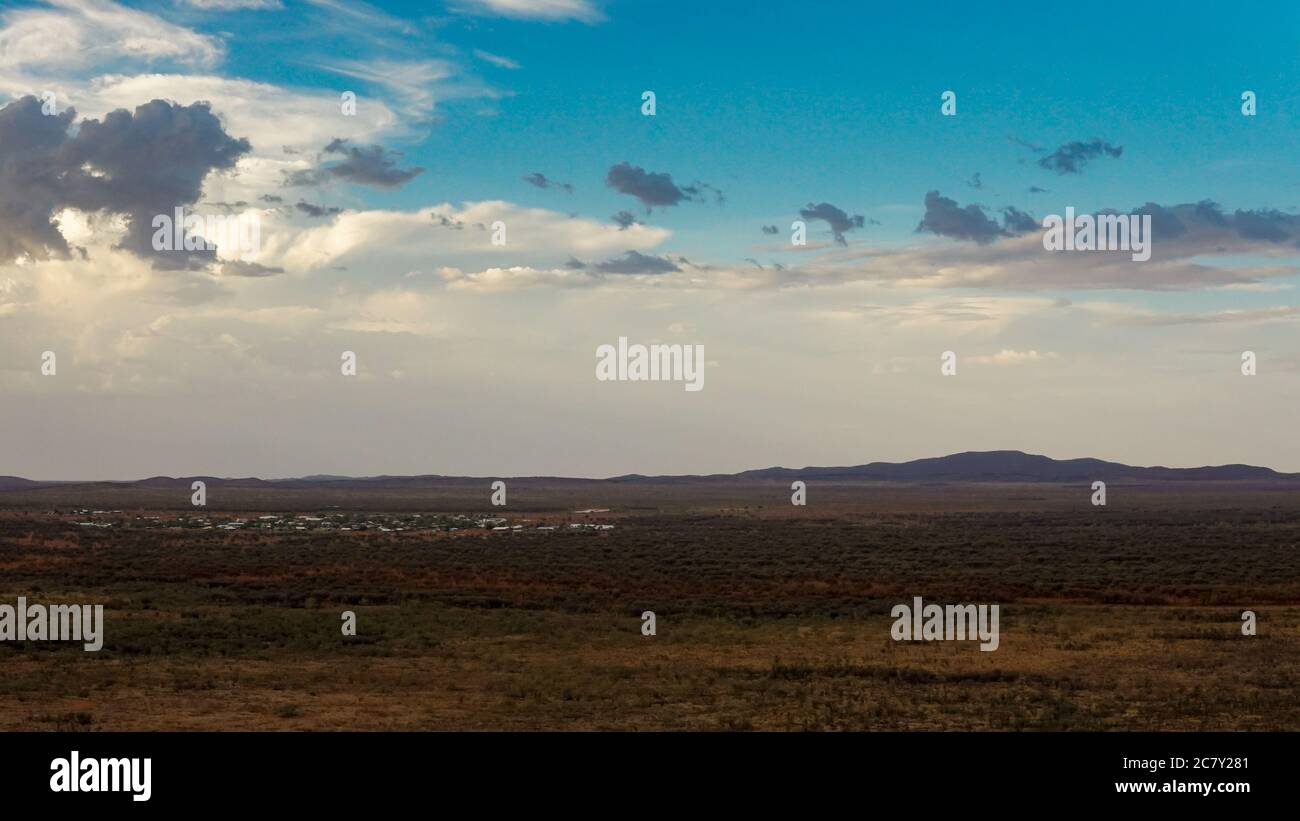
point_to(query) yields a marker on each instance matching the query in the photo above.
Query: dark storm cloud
(138, 164)
(371, 165)
(634, 262)
(654, 188)
(540, 180)
(839, 221)
(1073, 156)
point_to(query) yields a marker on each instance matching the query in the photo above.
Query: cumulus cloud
(624, 220)
(1186, 239)
(135, 164)
(655, 188)
(1073, 156)
(1015, 221)
(371, 165)
(838, 220)
(403, 239)
(944, 217)
(634, 262)
(316, 211)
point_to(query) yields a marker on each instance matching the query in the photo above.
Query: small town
(330, 521)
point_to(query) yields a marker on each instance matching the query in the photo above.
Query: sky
(476, 349)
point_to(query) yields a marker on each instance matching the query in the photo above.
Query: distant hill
(998, 466)
(18, 483)
(972, 466)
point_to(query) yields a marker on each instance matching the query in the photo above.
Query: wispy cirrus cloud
(80, 34)
(548, 10)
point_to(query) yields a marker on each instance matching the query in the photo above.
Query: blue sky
(779, 107)
(374, 231)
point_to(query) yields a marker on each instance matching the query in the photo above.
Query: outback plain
(769, 616)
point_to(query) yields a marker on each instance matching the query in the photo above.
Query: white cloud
(1006, 356)
(415, 86)
(536, 9)
(402, 240)
(87, 33)
(495, 59)
(233, 5)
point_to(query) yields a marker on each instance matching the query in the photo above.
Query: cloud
(634, 262)
(269, 116)
(947, 219)
(394, 311)
(1266, 225)
(312, 210)
(839, 221)
(975, 181)
(1228, 316)
(518, 278)
(550, 10)
(371, 165)
(137, 165)
(655, 188)
(240, 268)
(404, 240)
(415, 85)
(496, 59)
(624, 220)
(540, 180)
(233, 5)
(1007, 356)
(86, 33)
(770, 229)
(1037, 149)
(1073, 156)
(1186, 240)
(1015, 221)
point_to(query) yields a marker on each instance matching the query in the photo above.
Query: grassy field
(771, 618)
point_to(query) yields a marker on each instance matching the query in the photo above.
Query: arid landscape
(769, 616)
